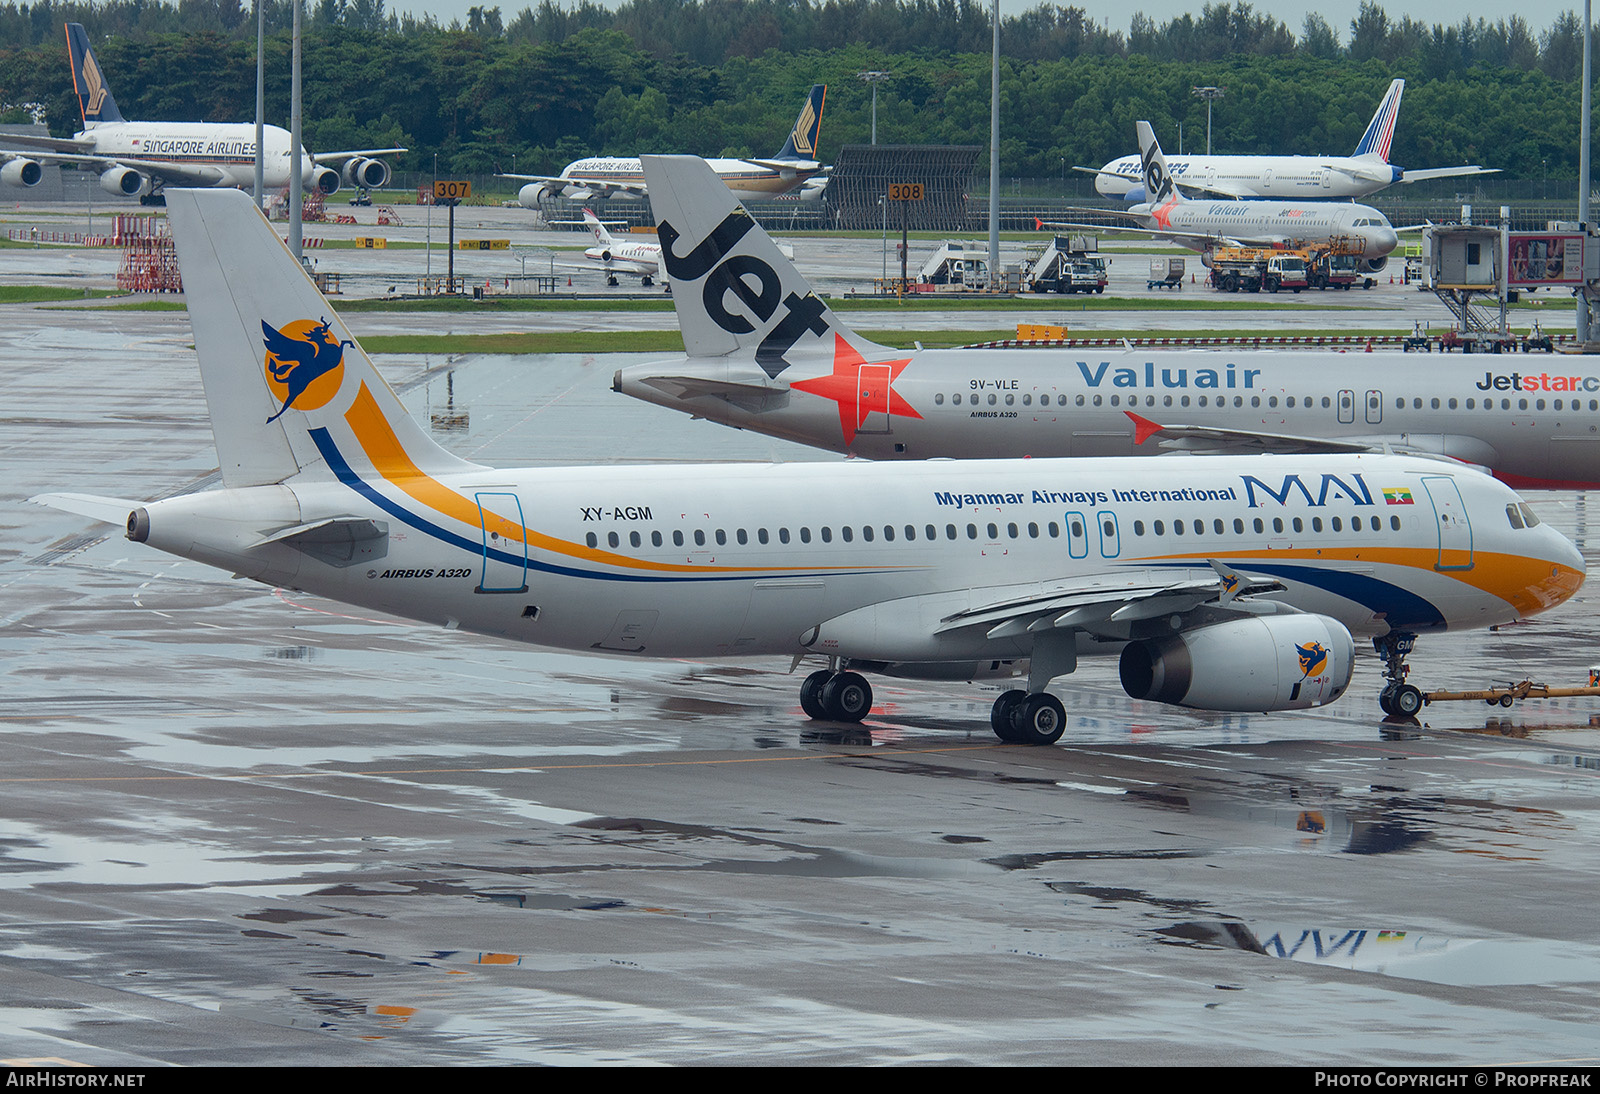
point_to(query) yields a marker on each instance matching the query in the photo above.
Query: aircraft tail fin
(734, 289)
(601, 235)
(289, 390)
(1158, 182)
(802, 142)
(95, 102)
(1380, 130)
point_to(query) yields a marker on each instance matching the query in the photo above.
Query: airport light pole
(873, 79)
(994, 153)
(1582, 331)
(261, 101)
(296, 168)
(1210, 95)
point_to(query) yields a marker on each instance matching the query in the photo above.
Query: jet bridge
(1477, 270)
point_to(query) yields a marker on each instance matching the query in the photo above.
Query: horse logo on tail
(304, 364)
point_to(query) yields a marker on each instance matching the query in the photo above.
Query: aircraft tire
(1040, 719)
(847, 697)
(1386, 699)
(1407, 700)
(811, 694)
(1004, 708)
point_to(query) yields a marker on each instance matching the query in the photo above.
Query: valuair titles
(1228, 377)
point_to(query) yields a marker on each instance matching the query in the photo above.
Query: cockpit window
(1514, 515)
(1529, 517)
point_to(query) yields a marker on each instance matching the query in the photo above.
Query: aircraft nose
(1385, 240)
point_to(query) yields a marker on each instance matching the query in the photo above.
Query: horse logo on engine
(1313, 659)
(304, 364)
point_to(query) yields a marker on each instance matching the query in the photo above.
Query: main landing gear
(1397, 696)
(1021, 718)
(836, 696)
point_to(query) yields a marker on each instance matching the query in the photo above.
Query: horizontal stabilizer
(110, 510)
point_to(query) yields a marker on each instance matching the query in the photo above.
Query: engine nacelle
(531, 195)
(21, 173)
(325, 179)
(122, 181)
(370, 174)
(1374, 265)
(1258, 663)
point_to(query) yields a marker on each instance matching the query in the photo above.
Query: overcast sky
(1117, 14)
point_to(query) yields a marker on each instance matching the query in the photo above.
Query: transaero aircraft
(1226, 583)
(794, 166)
(1204, 225)
(802, 374)
(1365, 171)
(144, 157)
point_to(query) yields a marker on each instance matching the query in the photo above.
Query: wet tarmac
(241, 825)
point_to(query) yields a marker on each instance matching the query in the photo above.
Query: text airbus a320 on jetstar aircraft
(142, 158)
(793, 167)
(1204, 225)
(1365, 171)
(1227, 583)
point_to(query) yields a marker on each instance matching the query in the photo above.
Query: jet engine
(325, 179)
(371, 174)
(1374, 265)
(21, 173)
(122, 181)
(531, 195)
(1257, 663)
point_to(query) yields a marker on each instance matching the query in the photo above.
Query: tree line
(726, 77)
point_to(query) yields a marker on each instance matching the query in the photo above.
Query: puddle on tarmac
(1409, 955)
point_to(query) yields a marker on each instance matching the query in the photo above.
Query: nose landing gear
(1397, 696)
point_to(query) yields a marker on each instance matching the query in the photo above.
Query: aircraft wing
(581, 189)
(1211, 440)
(1443, 172)
(340, 157)
(1105, 605)
(47, 144)
(1126, 176)
(797, 166)
(165, 170)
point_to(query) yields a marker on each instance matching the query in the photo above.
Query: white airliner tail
(1379, 137)
(287, 386)
(601, 235)
(735, 291)
(1159, 186)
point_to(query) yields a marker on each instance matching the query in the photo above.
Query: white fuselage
(226, 147)
(1533, 421)
(758, 559)
(639, 258)
(748, 181)
(1283, 177)
(1200, 223)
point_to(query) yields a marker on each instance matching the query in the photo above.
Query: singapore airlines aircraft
(1204, 225)
(806, 376)
(144, 157)
(794, 166)
(1366, 171)
(1228, 583)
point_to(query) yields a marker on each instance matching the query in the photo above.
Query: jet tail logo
(304, 364)
(94, 86)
